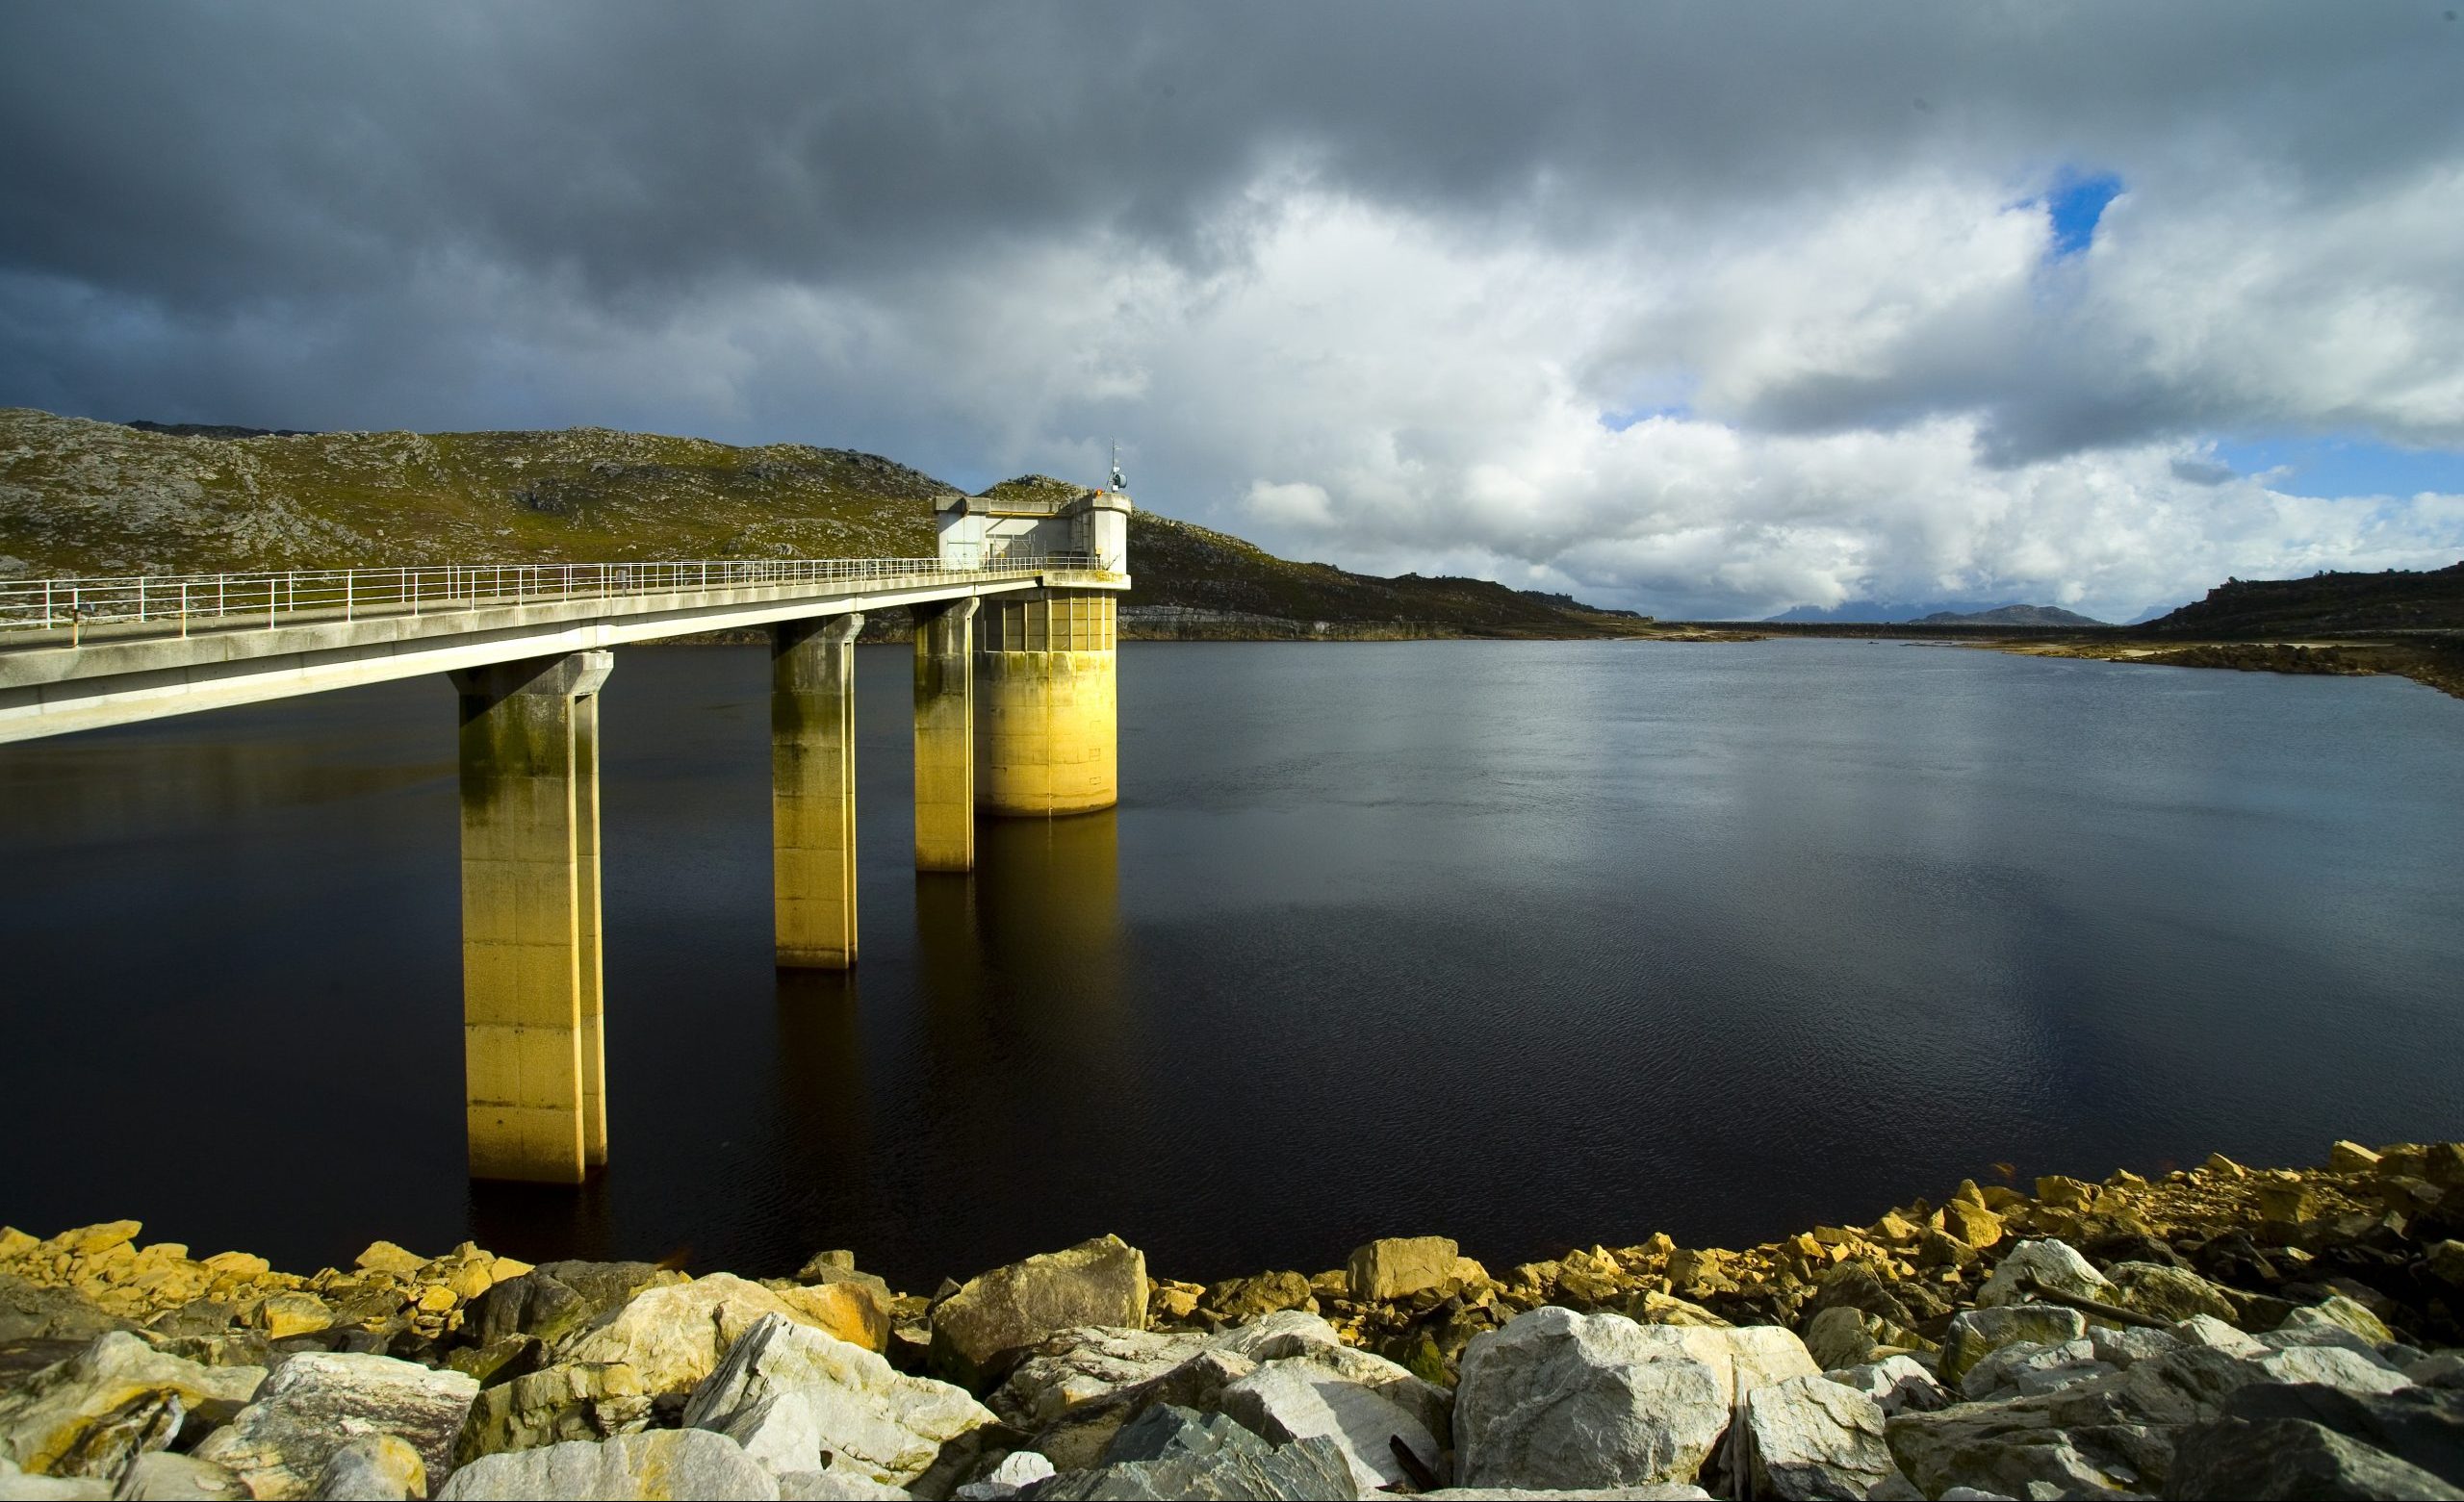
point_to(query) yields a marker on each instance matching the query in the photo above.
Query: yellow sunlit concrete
(944, 737)
(812, 790)
(1047, 704)
(534, 1049)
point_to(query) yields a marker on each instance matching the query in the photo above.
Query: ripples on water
(1530, 944)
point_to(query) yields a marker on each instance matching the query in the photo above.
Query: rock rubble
(2216, 1332)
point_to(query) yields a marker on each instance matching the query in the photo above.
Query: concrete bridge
(1016, 715)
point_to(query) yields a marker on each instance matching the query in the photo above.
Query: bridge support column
(944, 737)
(1046, 704)
(535, 1050)
(812, 790)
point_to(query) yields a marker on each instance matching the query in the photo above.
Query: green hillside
(1178, 563)
(98, 498)
(86, 497)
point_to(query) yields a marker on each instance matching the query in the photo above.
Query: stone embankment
(2219, 1332)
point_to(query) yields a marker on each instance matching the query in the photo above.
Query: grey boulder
(1979, 1333)
(2334, 1367)
(1082, 1436)
(2026, 1369)
(1296, 1337)
(1896, 1383)
(1657, 1491)
(556, 1300)
(639, 1467)
(1171, 1452)
(1018, 1470)
(1078, 1367)
(2050, 1265)
(980, 1329)
(2114, 1433)
(1296, 1399)
(2290, 1458)
(317, 1402)
(1841, 1337)
(1561, 1400)
(2206, 1330)
(2175, 1294)
(106, 1393)
(2127, 1347)
(1809, 1436)
(16, 1486)
(837, 1483)
(374, 1468)
(164, 1477)
(792, 1396)
(2418, 1426)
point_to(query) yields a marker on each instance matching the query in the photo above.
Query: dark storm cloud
(201, 154)
(1354, 274)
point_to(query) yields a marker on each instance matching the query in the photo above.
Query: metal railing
(223, 602)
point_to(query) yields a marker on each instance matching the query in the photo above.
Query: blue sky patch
(1620, 421)
(2338, 465)
(2075, 204)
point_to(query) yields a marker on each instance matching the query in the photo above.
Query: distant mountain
(2398, 599)
(1863, 611)
(2010, 615)
(1934, 612)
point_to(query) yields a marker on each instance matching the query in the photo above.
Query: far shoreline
(2433, 658)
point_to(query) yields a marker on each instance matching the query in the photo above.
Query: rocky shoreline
(2219, 1331)
(2434, 660)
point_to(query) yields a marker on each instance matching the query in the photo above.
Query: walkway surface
(76, 654)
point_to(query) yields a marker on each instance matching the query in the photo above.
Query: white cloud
(1375, 387)
(1321, 300)
(1296, 507)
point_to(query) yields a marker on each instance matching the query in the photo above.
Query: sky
(1700, 310)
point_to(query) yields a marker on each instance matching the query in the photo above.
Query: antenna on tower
(1118, 484)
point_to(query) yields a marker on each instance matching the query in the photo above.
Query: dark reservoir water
(1529, 944)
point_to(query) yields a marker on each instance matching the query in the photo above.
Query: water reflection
(149, 786)
(544, 1222)
(823, 1130)
(1028, 948)
(1048, 898)
(1484, 938)
(1020, 984)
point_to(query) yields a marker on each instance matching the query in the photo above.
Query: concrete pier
(1047, 704)
(590, 998)
(812, 790)
(945, 736)
(533, 1004)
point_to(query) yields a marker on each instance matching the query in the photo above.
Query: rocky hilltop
(2324, 603)
(100, 498)
(2219, 1332)
(85, 498)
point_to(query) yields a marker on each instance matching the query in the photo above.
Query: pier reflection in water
(1019, 1047)
(1529, 944)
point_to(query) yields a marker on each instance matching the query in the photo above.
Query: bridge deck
(79, 654)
